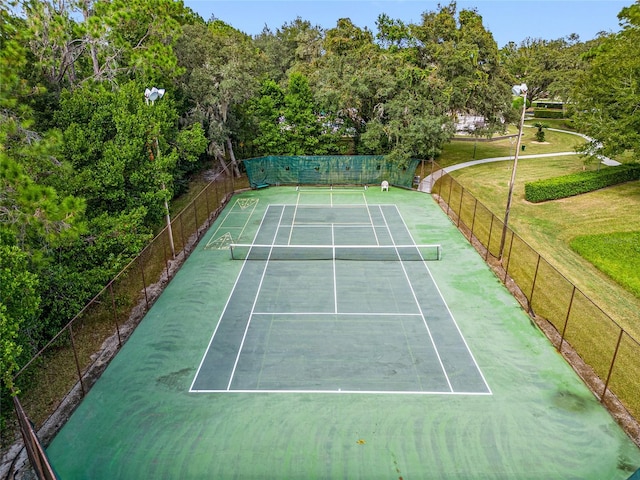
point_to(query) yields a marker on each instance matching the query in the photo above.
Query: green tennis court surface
(360, 365)
(360, 323)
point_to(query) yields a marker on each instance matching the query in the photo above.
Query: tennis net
(402, 253)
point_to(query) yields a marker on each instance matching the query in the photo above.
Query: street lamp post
(151, 95)
(519, 90)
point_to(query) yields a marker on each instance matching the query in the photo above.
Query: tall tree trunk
(236, 170)
(223, 164)
(87, 6)
(217, 152)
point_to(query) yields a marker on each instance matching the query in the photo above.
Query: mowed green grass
(616, 254)
(550, 227)
(459, 151)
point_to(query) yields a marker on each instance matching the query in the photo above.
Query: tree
(31, 210)
(548, 67)
(111, 139)
(295, 43)
(267, 111)
(392, 34)
(456, 48)
(413, 122)
(606, 95)
(540, 131)
(19, 303)
(221, 74)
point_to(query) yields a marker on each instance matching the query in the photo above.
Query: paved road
(429, 180)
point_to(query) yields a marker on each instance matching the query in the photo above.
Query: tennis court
(339, 333)
(313, 310)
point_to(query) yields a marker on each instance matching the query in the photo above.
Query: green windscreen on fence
(328, 170)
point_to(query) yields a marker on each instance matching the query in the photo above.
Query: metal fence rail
(607, 354)
(53, 382)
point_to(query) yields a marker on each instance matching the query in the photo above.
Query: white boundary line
(365, 314)
(373, 225)
(335, 189)
(415, 299)
(297, 391)
(214, 235)
(319, 225)
(344, 206)
(335, 280)
(348, 392)
(253, 307)
(448, 310)
(215, 330)
(293, 219)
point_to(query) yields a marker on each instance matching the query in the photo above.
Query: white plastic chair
(385, 185)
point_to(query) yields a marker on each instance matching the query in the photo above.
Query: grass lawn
(616, 254)
(463, 151)
(550, 227)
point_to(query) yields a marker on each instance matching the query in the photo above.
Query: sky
(507, 20)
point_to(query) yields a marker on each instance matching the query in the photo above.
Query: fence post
(166, 259)
(449, 197)
(144, 283)
(206, 201)
(506, 269)
(195, 217)
(566, 320)
(431, 175)
(460, 208)
(473, 220)
(613, 361)
(486, 257)
(35, 451)
(184, 243)
(533, 284)
(75, 356)
(115, 313)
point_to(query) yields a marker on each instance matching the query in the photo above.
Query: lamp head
(153, 94)
(519, 90)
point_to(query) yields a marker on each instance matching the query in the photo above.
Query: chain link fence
(603, 353)
(56, 379)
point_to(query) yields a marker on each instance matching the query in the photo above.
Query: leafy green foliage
(289, 122)
(548, 113)
(19, 307)
(86, 165)
(607, 93)
(84, 267)
(540, 135)
(122, 150)
(578, 183)
(617, 254)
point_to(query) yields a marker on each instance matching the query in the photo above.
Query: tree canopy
(86, 164)
(607, 93)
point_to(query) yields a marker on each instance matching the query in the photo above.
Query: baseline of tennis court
(332, 368)
(360, 325)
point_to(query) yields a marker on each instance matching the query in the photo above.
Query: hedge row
(577, 183)
(541, 104)
(547, 113)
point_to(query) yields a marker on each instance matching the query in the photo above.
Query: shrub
(577, 183)
(547, 113)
